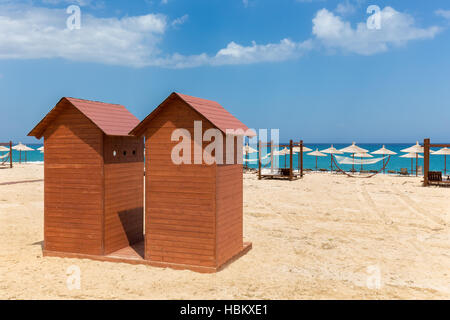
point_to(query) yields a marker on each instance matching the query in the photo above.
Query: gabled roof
(211, 110)
(112, 119)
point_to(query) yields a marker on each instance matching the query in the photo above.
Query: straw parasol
(416, 149)
(21, 147)
(246, 150)
(411, 156)
(363, 155)
(305, 149)
(354, 149)
(282, 152)
(317, 154)
(443, 152)
(383, 151)
(332, 150)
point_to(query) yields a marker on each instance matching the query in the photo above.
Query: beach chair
(392, 171)
(323, 170)
(435, 178)
(404, 172)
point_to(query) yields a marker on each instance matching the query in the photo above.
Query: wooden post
(426, 161)
(301, 158)
(10, 154)
(271, 157)
(259, 160)
(417, 164)
(445, 164)
(291, 172)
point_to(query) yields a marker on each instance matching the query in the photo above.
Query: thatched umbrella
(305, 149)
(246, 150)
(21, 147)
(443, 152)
(354, 149)
(383, 151)
(412, 156)
(363, 155)
(317, 154)
(416, 149)
(332, 150)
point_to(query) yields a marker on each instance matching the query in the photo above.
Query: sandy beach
(324, 237)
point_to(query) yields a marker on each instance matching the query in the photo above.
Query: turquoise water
(395, 163)
(32, 156)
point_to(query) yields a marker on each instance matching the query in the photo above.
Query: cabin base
(135, 255)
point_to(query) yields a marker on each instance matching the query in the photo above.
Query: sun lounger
(392, 171)
(323, 170)
(435, 178)
(403, 172)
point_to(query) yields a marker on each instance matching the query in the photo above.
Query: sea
(395, 163)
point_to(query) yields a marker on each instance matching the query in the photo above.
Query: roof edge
(137, 131)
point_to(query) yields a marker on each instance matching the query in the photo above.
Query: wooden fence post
(10, 154)
(301, 158)
(291, 172)
(426, 161)
(259, 159)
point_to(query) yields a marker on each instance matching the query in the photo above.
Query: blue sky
(313, 69)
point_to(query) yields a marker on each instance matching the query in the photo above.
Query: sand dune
(323, 237)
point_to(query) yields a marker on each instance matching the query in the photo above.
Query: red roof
(112, 119)
(211, 110)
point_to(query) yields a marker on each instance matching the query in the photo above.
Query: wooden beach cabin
(93, 173)
(194, 212)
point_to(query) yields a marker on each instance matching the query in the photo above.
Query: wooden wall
(73, 188)
(180, 200)
(229, 211)
(124, 192)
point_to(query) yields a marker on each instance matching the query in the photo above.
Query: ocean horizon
(309, 162)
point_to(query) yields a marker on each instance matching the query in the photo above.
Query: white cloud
(235, 53)
(245, 2)
(28, 32)
(396, 30)
(345, 8)
(443, 13)
(164, 1)
(180, 20)
(33, 33)
(81, 3)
